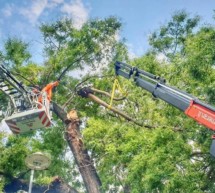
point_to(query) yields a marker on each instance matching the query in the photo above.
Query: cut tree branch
(88, 93)
(107, 94)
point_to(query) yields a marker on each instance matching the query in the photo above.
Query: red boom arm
(201, 114)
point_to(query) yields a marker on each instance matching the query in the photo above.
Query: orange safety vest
(48, 89)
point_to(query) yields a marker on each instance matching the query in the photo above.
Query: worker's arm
(48, 89)
(50, 86)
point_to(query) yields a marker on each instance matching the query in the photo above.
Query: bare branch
(107, 94)
(88, 93)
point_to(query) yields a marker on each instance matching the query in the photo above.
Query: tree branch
(106, 94)
(88, 93)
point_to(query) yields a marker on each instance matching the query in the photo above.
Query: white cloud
(77, 11)
(8, 10)
(57, 1)
(33, 12)
(54, 3)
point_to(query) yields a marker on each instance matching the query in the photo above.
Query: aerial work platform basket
(29, 120)
(28, 107)
(35, 116)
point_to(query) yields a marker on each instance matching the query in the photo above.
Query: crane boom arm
(201, 112)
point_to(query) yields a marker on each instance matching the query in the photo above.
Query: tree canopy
(171, 156)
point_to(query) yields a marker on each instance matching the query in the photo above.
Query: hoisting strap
(117, 86)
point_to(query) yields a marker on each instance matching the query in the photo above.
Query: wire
(11, 77)
(69, 66)
(80, 83)
(32, 84)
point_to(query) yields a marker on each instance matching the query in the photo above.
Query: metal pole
(31, 181)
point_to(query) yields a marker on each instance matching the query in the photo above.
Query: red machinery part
(201, 114)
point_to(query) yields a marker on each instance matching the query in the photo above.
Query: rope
(116, 85)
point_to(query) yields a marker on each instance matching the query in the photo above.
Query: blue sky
(21, 18)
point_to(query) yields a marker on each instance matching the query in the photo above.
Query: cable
(68, 67)
(6, 72)
(18, 74)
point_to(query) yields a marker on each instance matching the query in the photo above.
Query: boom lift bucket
(29, 120)
(28, 109)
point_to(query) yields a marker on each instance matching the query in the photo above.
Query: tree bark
(101, 102)
(73, 136)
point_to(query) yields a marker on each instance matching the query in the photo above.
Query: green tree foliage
(172, 156)
(13, 163)
(65, 45)
(16, 52)
(201, 59)
(170, 38)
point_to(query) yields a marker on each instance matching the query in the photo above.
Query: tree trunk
(73, 136)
